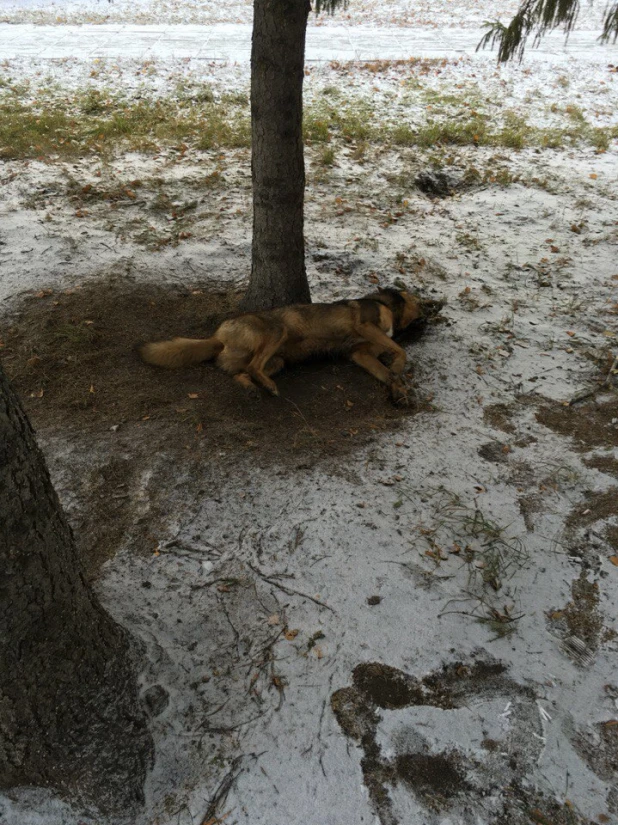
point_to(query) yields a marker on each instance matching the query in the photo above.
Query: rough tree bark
(70, 718)
(278, 274)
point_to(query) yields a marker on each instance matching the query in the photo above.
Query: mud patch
(500, 417)
(599, 749)
(494, 451)
(604, 464)
(589, 425)
(451, 779)
(387, 687)
(433, 779)
(580, 624)
(595, 507)
(71, 356)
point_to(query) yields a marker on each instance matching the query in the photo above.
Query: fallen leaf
(92, 390)
(593, 176)
(193, 395)
(614, 560)
(274, 619)
(571, 333)
(554, 248)
(291, 634)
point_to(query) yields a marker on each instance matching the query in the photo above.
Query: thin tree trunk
(278, 274)
(70, 718)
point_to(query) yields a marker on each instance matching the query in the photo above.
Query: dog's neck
(395, 306)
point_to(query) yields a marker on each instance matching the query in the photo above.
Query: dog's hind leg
(244, 379)
(275, 365)
(258, 366)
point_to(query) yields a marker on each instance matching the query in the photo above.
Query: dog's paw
(402, 394)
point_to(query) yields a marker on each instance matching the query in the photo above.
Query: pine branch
(610, 24)
(537, 17)
(329, 6)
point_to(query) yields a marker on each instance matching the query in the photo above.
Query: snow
(417, 13)
(509, 336)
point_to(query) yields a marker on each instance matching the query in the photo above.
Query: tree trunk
(70, 718)
(278, 274)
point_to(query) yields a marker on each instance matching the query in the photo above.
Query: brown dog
(254, 346)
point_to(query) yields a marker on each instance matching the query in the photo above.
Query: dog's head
(406, 308)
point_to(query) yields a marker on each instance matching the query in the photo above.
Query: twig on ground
(220, 795)
(612, 371)
(289, 590)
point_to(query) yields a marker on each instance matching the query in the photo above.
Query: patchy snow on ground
(420, 630)
(418, 13)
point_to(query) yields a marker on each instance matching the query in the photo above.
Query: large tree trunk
(70, 718)
(278, 274)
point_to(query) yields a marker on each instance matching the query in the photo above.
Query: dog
(254, 346)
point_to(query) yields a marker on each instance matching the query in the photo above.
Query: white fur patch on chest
(389, 331)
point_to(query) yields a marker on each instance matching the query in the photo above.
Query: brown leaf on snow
(291, 634)
(274, 619)
(614, 560)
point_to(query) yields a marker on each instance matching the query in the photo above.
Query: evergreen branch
(610, 24)
(329, 6)
(537, 17)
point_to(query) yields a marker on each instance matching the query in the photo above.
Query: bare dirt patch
(449, 779)
(580, 623)
(605, 464)
(72, 357)
(589, 425)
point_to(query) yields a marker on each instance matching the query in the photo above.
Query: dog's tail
(180, 352)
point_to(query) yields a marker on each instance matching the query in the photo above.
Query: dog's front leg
(381, 341)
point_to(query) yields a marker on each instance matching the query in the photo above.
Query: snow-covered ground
(265, 589)
(431, 13)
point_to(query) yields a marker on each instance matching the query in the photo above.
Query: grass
(95, 122)
(488, 550)
(101, 121)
